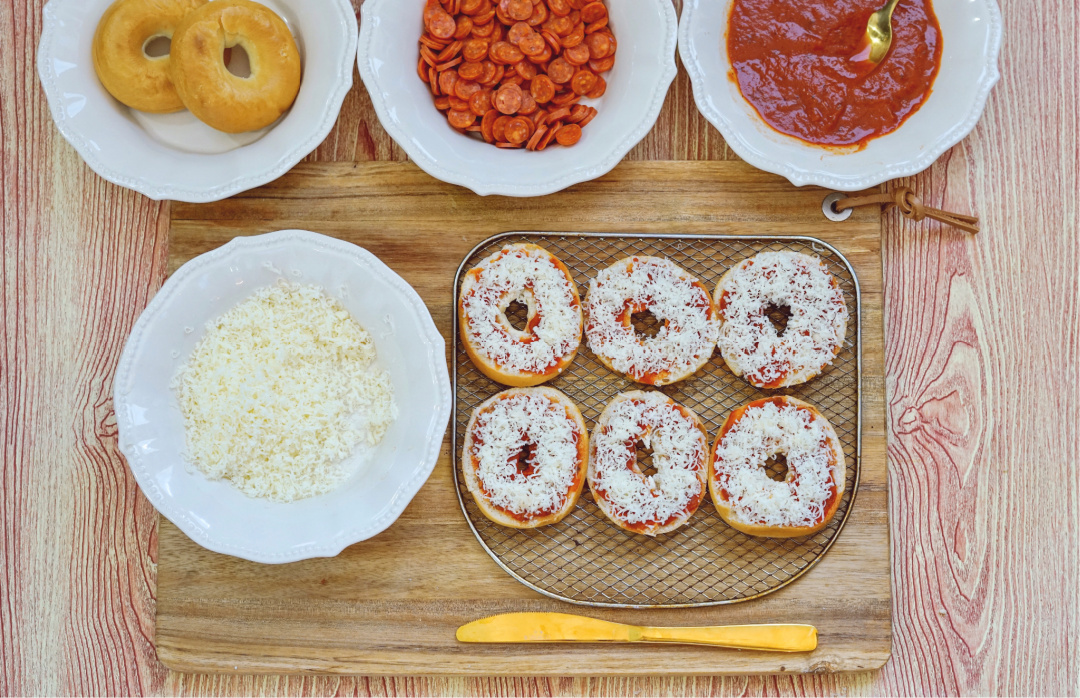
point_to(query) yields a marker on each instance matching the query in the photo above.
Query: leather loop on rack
(911, 207)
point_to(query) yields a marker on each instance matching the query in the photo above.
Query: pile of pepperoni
(514, 70)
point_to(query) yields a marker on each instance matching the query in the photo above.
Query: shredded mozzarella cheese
(280, 391)
(689, 329)
(761, 433)
(815, 331)
(507, 426)
(532, 277)
(679, 449)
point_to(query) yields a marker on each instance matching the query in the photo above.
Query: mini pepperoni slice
(470, 71)
(519, 9)
(559, 7)
(518, 32)
(543, 58)
(598, 89)
(421, 69)
(562, 25)
(558, 114)
(568, 135)
(442, 103)
(560, 71)
(603, 65)
(542, 89)
(482, 31)
(505, 52)
(577, 55)
(599, 45)
(488, 74)
(582, 82)
(480, 103)
(532, 45)
(500, 70)
(448, 65)
(518, 130)
(508, 99)
(588, 117)
(528, 104)
(539, 15)
(464, 27)
(578, 113)
(475, 50)
(575, 37)
(498, 128)
(460, 119)
(432, 43)
(565, 99)
(486, 124)
(439, 22)
(525, 69)
(465, 89)
(471, 7)
(596, 26)
(593, 12)
(548, 137)
(458, 103)
(535, 140)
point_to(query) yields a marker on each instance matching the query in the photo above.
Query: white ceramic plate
(971, 30)
(175, 156)
(214, 513)
(637, 86)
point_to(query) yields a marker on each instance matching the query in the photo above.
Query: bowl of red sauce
(781, 81)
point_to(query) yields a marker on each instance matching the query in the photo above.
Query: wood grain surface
(370, 610)
(982, 366)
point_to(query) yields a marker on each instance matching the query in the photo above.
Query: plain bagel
(213, 94)
(125, 69)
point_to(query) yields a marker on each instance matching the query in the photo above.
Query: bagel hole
(517, 313)
(157, 46)
(776, 467)
(237, 61)
(646, 324)
(778, 315)
(524, 460)
(644, 459)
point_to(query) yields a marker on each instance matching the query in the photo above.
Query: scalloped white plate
(637, 85)
(971, 30)
(215, 514)
(175, 156)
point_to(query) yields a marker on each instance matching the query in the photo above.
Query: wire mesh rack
(585, 559)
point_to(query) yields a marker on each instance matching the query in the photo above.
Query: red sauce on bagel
(792, 61)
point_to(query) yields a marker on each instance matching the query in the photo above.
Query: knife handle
(776, 638)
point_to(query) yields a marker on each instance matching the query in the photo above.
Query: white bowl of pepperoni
(517, 97)
(798, 103)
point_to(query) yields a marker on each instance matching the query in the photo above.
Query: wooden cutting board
(390, 605)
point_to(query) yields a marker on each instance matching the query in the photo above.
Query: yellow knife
(563, 627)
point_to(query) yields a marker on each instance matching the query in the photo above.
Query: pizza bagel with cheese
(532, 276)
(815, 331)
(748, 499)
(525, 457)
(657, 503)
(688, 319)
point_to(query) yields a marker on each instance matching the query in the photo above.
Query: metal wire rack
(585, 559)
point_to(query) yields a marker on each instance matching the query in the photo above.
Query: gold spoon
(878, 37)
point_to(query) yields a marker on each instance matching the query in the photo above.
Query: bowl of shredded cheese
(283, 397)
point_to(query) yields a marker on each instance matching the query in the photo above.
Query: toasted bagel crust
(472, 482)
(510, 375)
(727, 512)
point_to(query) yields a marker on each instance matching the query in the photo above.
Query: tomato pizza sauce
(792, 61)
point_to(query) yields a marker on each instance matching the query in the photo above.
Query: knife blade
(564, 627)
